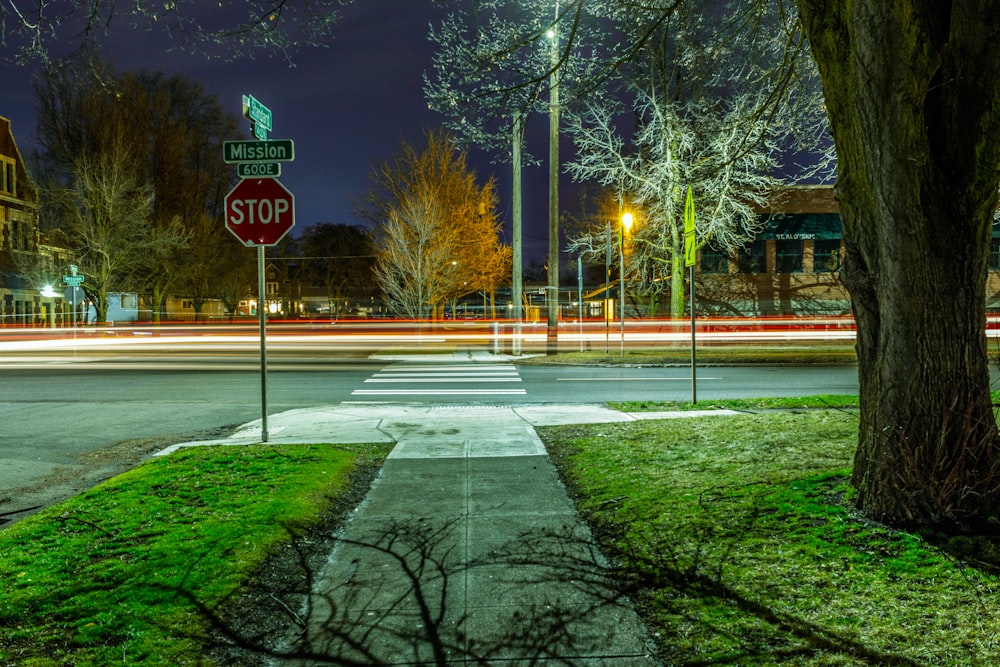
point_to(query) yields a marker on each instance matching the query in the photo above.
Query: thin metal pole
(579, 290)
(517, 290)
(552, 333)
(621, 282)
(607, 293)
(261, 315)
(694, 355)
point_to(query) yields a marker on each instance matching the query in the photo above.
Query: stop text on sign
(253, 211)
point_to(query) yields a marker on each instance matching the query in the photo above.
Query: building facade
(22, 302)
(792, 267)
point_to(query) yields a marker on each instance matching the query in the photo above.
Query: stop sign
(260, 211)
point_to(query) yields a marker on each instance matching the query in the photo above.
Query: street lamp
(626, 227)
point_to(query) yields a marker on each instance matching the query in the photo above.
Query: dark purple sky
(346, 107)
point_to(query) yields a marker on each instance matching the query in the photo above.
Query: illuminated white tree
(691, 112)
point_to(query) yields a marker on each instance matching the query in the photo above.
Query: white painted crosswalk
(412, 379)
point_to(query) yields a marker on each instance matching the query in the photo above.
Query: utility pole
(552, 336)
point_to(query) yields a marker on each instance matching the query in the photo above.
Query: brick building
(21, 302)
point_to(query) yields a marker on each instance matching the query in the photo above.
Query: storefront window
(752, 257)
(826, 255)
(788, 256)
(714, 261)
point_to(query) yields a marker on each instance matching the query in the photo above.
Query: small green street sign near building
(74, 280)
(278, 150)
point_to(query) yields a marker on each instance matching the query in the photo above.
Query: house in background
(21, 261)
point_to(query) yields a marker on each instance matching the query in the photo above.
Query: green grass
(819, 354)
(794, 403)
(739, 539)
(115, 575)
(821, 401)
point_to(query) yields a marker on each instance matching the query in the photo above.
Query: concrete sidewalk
(466, 550)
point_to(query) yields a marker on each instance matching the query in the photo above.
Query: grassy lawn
(741, 548)
(794, 403)
(735, 535)
(817, 353)
(117, 574)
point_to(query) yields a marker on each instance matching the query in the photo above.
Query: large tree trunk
(912, 93)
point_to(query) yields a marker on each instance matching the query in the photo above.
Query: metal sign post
(260, 211)
(262, 317)
(579, 290)
(690, 250)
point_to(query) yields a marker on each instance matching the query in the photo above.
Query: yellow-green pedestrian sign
(689, 242)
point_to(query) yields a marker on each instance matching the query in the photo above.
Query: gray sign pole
(579, 289)
(261, 315)
(694, 347)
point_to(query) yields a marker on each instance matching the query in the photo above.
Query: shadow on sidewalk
(408, 596)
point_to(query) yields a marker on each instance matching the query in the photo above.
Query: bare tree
(438, 236)
(175, 132)
(910, 90)
(653, 180)
(416, 266)
(29, 28)
(107, 219)
(704, 121)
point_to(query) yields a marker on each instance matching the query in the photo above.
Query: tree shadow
(404, 592)
(407, 594)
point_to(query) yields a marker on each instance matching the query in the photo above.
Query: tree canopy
(31, 30)
(438, 231)
(167, 133)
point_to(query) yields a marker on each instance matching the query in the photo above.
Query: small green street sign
(73, 281)
(277, 150)
(257, 112)
(258, 169)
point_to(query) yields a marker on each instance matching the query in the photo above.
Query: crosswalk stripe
(449, 375)
(472, 376)
(438, 392)
(443, 379)
(451, 367)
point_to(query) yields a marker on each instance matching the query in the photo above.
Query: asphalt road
(70, 422)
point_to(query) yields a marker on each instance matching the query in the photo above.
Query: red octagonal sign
(260, 211)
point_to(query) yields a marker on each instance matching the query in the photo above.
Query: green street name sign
(257, 112)
(73, 281)
(278, 150)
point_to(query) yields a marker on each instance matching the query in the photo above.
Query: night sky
(346, 107)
